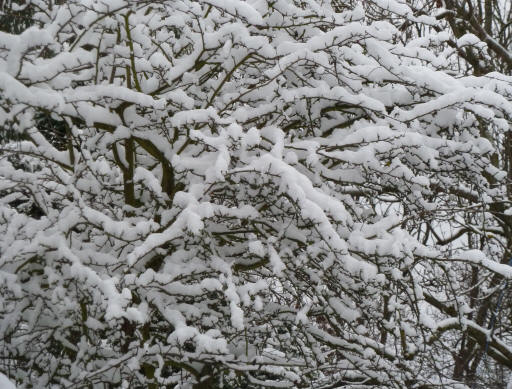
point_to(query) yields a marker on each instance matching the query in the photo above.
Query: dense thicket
(469, 23)
(249, 194)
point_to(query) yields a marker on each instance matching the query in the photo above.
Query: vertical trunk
(460, 363)
(488, 16)
(129, 187)
(507, 159)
